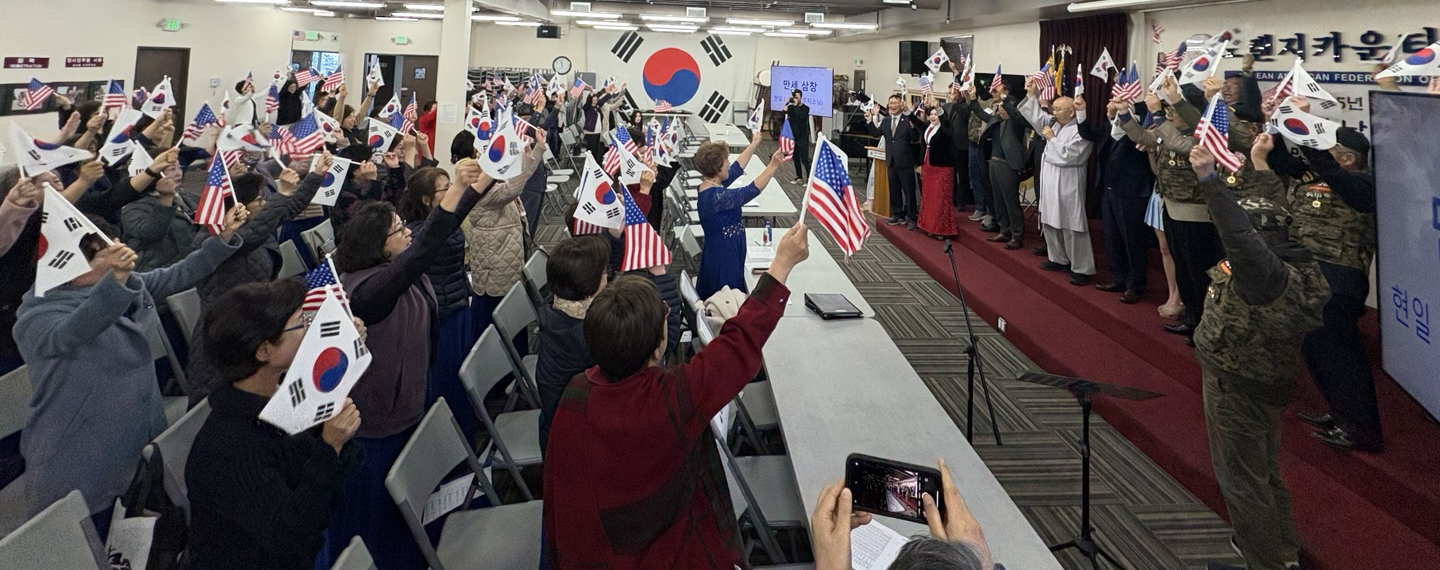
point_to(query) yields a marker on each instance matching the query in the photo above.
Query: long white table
(728, 134)
(818, 274)
(843, 387)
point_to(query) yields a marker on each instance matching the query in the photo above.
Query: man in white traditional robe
(1062, 186)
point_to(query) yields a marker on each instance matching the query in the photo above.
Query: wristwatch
(152, 173)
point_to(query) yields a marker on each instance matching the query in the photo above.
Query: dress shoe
(1014, 244)
(1323, 421)
(977, 216)
(1130, 298)
(894, 221)
(1041, 251)
(910, 226)
(1338, 437)
(1180, 328)
(1052, 266)
(1079, 279)
(998, 238)
(989, 228)
(1111, 287)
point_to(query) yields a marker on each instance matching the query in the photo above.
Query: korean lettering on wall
(809, 91)
(1371, 45)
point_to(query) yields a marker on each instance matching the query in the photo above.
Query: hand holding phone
(892, 488)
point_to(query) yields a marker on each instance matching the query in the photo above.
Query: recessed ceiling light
(750, 22)
(347, 4)
(844, 25)
(324, 13)
(527, 24)
(897, 2)
(669, 18)
(809, 32)
(494, 18)
(418, 15)
(573, 14)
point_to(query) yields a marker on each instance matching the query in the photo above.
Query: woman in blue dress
(722, 260)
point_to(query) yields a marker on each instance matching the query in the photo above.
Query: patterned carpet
(1142, 516)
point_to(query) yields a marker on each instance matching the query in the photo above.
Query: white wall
(493, 45)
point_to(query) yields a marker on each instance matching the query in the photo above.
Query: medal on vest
(1315, 204)
(1172, 162)
(1231, 180)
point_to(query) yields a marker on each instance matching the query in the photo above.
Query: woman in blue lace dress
(722, 260)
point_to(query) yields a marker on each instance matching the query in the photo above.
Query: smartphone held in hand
(891, 488)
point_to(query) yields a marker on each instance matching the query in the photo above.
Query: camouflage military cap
(1266, 215)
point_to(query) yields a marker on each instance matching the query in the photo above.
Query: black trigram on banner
(360, 349)
(329, 329)
(325, 411)
(716, 49)
(61, 259)
(72, 224)
(626, 46)
(715, 108)
(628, 107)
(297, 393)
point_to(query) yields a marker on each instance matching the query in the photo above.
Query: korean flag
(1303, 128)
(160, 100)
(599, 204)
(117, 144)
(61, 229)
(936, 60)
(330, 361)
(333, 181)
(501, 156)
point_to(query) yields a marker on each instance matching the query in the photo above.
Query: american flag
(1214, 134)
(1155, 30)
(1127, 86)
(643, 247)
(305, 77)
(412, 115)
(1044, 83)
(305, 136)
(205, 118)
(927, 85)
(231, 158)
(831, 198)
(1172, 59)
(320, 280)
(139, 96)
(334, 80)
(535, 91)
(272, 100)
(662, 106)
(36, 95)
(612, 156)
(578, 87)
(787, 139)
(399, 121)
(115, 96)
(211, 212)
(997, 80)
(524, 129)
(250, 82)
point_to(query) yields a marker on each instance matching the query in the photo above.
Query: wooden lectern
(881, 205)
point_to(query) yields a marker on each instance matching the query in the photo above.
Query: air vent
(579, 6)
(695, 12)
(813, 17)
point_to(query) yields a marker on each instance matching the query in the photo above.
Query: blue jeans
(980, 181)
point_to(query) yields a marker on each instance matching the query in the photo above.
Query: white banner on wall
(705, 74)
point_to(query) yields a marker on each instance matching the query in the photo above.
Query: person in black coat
(1126, 182)
(957, 116)
(1002, 143)
(291, 106)
(260, 498)
(937, 171)
(798, 113)
(901, 134)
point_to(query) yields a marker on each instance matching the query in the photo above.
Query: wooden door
(153, 64)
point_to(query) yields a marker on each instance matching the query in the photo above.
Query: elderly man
(1062, 186)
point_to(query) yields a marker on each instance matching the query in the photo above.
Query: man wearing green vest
(1263, 298)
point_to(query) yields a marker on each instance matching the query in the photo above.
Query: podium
(881, 205)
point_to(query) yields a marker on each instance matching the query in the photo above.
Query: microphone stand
(973, 365)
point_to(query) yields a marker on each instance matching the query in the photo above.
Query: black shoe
(1014, 244)
(989, 228)
(1181, 328)
(894, 221)
(1079, 279)
(910, 226)
(1130, 298)
(1052, 266)
(1323, 421)
(1339, 438)
(998, 238)
(1111, 287)
(1219, 566)
(1040, 251)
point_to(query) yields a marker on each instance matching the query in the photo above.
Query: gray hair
(928, 553)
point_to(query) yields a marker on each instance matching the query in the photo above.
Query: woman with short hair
(722, 261)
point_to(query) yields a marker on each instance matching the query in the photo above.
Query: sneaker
(977, 216)
(798, 181)
(894, 221)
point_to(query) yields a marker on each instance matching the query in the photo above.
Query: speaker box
(553, 32)
(912, 57)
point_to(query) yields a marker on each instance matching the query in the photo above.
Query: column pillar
(451, 76)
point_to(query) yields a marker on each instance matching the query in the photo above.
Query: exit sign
(171, 24)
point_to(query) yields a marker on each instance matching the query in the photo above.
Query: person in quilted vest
(496, 237)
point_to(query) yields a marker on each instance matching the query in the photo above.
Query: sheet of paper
(874, 546)
(450, 496)
(130, 539)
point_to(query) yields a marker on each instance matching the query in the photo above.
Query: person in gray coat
(96, 398)
(158, 225)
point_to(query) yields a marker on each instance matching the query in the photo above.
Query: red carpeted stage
(1354, 510)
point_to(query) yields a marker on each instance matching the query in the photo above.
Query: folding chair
(513, 317)
(355, 557)
(690, 245)
(61, 537)
(160, 347)
(15, 395)
(185, 305)
(505, 536)
(537, 281)
(767, 480)
(172, 449)
(317, 237)
(757, 396)
(514, 435)
(290, 262)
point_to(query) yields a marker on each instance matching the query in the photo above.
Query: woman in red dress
(937, 176)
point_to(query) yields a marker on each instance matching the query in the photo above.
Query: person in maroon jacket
(632, 475)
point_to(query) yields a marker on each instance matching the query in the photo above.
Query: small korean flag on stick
(61, 229)
(936, 60)
(599, 204)
(331, 359)
(334, 179)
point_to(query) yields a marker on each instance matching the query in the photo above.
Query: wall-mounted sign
(419, 73)
(171, 24)
(27, 63)
(401, 40)
(85, 61)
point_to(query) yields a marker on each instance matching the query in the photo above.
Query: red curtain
(1087, 37)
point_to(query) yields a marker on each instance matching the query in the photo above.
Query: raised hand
(1202, 162)
(26, 193)
(235, 218)
(342, 427)
(368, 171)
(957, 524)
(116, 258)
(1212, 86)
(1300, 103)
(1260, 150)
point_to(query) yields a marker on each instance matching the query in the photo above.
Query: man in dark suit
(902, 135)
(958, 116)
(1003, 145)
(1127, 182)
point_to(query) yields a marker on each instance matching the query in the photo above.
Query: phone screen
(890, 488)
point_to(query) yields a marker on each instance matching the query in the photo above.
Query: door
(417, 76)
(387, 69)
(153, 64)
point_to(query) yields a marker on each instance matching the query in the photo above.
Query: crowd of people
(425, 255)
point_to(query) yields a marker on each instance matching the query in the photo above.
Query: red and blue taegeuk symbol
(158, 98)
(1421, 57)
(1297, 126)
(329, 179)
(497, 149)
(329, 369)
(671, 75)
(42, 145)
(122, 136)
(377, 140)
(604, 194)
(1201, 63)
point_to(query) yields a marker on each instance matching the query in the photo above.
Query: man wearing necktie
(901, 134)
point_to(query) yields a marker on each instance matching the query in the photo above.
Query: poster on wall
(700, 73)
(816, 85)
